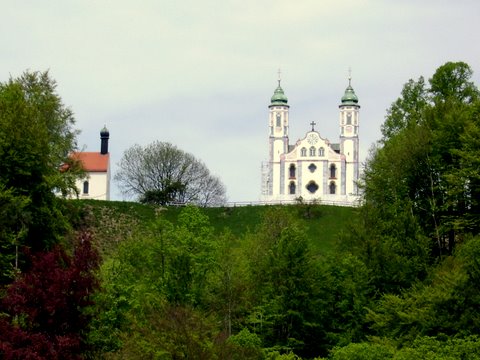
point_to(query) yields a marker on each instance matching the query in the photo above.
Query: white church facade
(313, 168)
(95, 184)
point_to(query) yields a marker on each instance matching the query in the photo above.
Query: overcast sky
(200, 74)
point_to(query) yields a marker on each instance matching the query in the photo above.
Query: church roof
(279, 97)
(349, 98)
(92, 161)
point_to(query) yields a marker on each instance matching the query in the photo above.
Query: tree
(423, 168)
(43, 312)
(406, 110)
(283, 283)
(154, 289)
(36, 138)
(451, 82)
(160, 173)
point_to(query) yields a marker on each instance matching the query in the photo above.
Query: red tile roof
(92, 161)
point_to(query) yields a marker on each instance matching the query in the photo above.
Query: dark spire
(104, 136)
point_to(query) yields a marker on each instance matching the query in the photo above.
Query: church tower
(349, 142)
(278, 138)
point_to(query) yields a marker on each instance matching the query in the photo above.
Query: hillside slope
(114, 220)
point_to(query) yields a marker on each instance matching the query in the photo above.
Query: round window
(312, 187)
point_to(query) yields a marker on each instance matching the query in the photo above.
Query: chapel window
(312, 151)
(321, 151)
(303, 152)
(312, 168)
(85, 187)
(292, 188)
(292, 171)
(332, 187)
(333, 171)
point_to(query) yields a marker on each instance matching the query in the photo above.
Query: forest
(394, 278)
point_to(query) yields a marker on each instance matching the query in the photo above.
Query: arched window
(332, 187)
(303, 152)
(349, 119)
(333, 171)
(292, 188)
(312, 187)
(291, 171)
(85, 187)
(312, 151)
(321, 152)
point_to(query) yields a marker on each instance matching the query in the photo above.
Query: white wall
(99, 186)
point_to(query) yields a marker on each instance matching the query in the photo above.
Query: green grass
(322, 223)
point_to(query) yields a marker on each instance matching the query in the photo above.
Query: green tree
(407, 110)
(283, 285)
(346, 292)
(246, 345)
(452, 82)
(419, 181)
(13, 220)
(155, 291)
(444, 305)
(228, 284)
(191, 259)
(36, 138)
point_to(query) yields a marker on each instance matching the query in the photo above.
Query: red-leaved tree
(42, 315)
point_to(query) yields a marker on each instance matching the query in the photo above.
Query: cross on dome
(313, 123)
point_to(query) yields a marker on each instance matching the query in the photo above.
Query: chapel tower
(278, 136)
(349, 142)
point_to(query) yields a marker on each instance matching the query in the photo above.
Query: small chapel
(95, 184)
(313, 168)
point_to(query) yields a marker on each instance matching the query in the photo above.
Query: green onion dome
(279, 97)
(350, 98)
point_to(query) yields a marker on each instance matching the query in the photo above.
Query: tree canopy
(36, 137)
(44, 289)
(424, 168)
(161, 173)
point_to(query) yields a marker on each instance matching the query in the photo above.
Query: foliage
(36, 137)
(420, 183)
(363, 351)
(44, 309)
(13, 220)
(282, 278)
(160, 173)
(155, 285)
(445, 306)
(407, 110)
(172, 332)
(346, 293)
(429, 348)
(247, 344)
(268, 282)
(228, 286)
(113, 221)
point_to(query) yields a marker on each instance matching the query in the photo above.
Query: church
(95, 184)
(313, 168)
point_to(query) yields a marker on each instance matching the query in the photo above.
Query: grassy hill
(116, 219)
